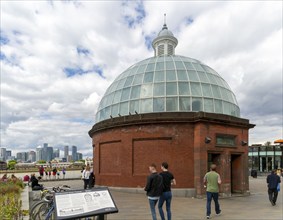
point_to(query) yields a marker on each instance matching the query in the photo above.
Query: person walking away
(41, 171)
(153, 188)
(64, 172)
(168, 180)
(212, 181)
(273, 180)
(58, 173)
(49, 173)
(54, 172)
(46, 174)
(85, 176)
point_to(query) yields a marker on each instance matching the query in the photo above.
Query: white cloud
(42, 41)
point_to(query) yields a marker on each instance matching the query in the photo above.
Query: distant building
(49, 155)
(56, 153)
(10, 158)
(69, 158)
(8, 154)
(22, 156)
(79, 156)
(74, 153)
(66, 151)
(32, 156)
(39, 153)
(45, 149)
(3, 165)
(2, 154)
(265, 158)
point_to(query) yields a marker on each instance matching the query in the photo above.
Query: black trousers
(272, 193)
(86, 182)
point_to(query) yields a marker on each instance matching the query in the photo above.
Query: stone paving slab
(253, 207)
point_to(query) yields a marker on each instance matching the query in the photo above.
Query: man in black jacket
(273, 180)
(153, 188)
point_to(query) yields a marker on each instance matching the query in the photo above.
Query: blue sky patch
(189, 20)
(73, 71)
(79, 71)
(2, 56)
(140, 14)
(81, 50)
(148, 40)
(3, 39)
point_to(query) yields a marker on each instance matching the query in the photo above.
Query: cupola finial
(165, 42)
(164, 25)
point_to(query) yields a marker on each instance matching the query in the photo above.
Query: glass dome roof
(167, 84)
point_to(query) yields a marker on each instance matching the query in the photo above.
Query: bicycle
(44, 209)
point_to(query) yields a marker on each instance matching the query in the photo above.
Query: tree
(267, 143)
(82, 161)
(11, 164)
(41, 161)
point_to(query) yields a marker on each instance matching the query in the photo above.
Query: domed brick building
(170, 108)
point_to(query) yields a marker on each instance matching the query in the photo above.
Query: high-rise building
(66, 151)
(39, 153)
(74, 153)
(56, 153)
(45, 147)
(22, 156)
(79, 156)
(32, 156)
(8, 153)
(49, 154)
(2, 154)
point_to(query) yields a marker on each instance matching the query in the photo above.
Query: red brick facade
(125, 146)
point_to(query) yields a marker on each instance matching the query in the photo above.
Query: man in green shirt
(212, 181)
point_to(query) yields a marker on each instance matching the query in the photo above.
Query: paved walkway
(254, 207)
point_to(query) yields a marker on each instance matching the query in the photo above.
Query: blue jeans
(152, 204)
(165, 197)
(209, 197)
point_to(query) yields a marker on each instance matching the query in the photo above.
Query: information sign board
(84, 203)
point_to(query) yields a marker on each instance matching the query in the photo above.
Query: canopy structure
(279, 141)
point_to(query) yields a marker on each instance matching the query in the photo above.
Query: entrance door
(236, 173)
(213, 158)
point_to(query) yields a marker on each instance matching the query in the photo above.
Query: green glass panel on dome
(168, 84)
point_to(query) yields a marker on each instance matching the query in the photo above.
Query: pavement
(254, 207)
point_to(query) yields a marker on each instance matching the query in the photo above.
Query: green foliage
(11, 164)
(42, 161)
(10, 203)
(82, 160)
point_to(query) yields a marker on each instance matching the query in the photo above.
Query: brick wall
(123, 154)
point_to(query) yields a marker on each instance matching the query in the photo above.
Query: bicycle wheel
(40, 210)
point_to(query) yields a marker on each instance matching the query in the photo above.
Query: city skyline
(55, 71)
(44, 152)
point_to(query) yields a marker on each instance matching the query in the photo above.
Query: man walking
(153, 189)
(273, 180)
(212, 181)
(168, 180)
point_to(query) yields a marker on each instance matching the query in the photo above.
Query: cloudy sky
(59, 57)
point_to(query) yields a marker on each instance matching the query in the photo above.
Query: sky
(59, 57)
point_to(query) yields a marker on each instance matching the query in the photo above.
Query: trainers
(217, 214)
(207, 217)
